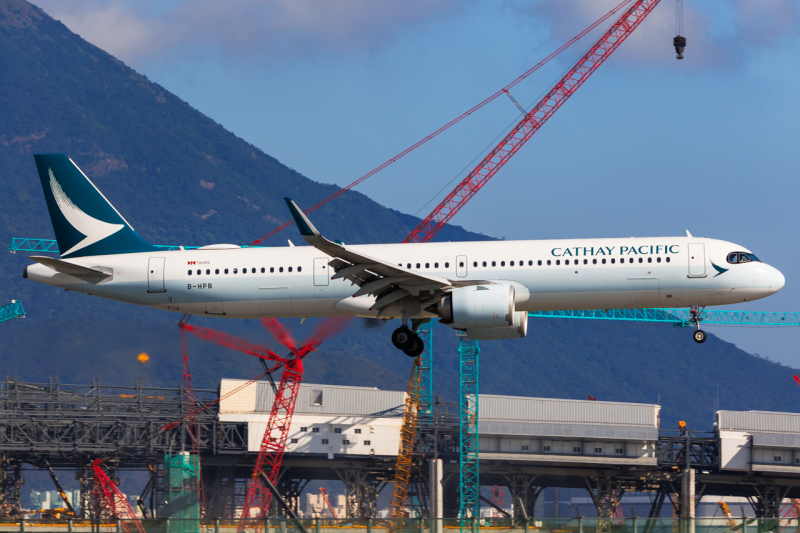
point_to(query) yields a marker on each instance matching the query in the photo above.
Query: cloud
(143, 29)
(718, 33)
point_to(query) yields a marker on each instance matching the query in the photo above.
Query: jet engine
(517, 330)
(478, 306)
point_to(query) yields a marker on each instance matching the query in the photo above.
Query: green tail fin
(85, 222)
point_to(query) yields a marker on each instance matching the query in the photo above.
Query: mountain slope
(176, 175)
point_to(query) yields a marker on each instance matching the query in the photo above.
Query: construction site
(246, 454)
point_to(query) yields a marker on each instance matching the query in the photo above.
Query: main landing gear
(408, 341)
(699, 335)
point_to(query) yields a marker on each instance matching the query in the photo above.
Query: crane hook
(679, 42)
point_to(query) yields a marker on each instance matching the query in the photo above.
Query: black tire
(699, 336)
(415, 348)
(402, 337)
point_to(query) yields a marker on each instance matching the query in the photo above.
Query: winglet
(305, 226)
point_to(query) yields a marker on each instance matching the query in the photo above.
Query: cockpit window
(741, 257)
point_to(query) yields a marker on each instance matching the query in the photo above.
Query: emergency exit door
(461, 266)
(697, 260)
(155, 275)
(321, 268)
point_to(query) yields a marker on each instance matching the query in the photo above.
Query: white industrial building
(573, 431)
(328, 419)
(759, 441)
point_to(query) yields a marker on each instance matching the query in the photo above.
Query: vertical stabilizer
(85, 222)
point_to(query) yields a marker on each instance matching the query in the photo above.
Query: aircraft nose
(776, 280)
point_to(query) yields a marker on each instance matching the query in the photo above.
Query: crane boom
(533, 120)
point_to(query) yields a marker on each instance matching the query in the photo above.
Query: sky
(649, 146)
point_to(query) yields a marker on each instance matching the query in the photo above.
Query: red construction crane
(533, 120)
(325, 497)
(108, 500)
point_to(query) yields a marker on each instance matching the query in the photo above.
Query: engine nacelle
(516, 331)
(478, 306)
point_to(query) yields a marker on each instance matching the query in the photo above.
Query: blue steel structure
(48, 246)
(468, 352)
(11, 311)
(425, 409)
(681, 317)
(51, 247)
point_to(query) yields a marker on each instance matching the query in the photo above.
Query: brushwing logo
(94, 230)
(719, 269)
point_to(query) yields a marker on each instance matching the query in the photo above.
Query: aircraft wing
(388, 281)
(88, 275)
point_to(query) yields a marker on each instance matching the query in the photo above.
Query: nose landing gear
(699, 335)
(406, 340)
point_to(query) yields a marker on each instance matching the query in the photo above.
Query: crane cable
(453, 122)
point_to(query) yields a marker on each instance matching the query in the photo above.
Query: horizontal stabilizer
(88, 275)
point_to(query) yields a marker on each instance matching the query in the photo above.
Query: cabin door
(697, 260)
(155, 275)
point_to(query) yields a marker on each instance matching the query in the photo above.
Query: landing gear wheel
(415, 348)
(402, 338)
(699, 336)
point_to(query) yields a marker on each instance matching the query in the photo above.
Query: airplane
(483, 289)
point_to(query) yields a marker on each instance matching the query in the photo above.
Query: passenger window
(612, 260)
(511, 263)
(566, 262)
(226, 270)
(271, 270)
(604, 261)
(540, 262)
(263, 270)
(594, 261)
(494, 263)
(244, 271)
(290, 269)
(460, 263)
(417, 266)
(502, 263)
(447, 265)
(630, 260)
(641, 260)
(235, 270)
(558, 261)
(216, 271)
(190, 272)
(436, 265)
(252, 270)
(208, 271)
(649, 259)
(585, 261)
(408, 265)
(484, 263)
(658, 259)
(299, 269)
(667, 259)
(427, 265)
(530, 263)
(548, 262)
(474, 263)
(199, 272)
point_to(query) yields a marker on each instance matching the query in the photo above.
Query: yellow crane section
(408, 432)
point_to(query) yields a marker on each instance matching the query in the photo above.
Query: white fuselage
(547, 275)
